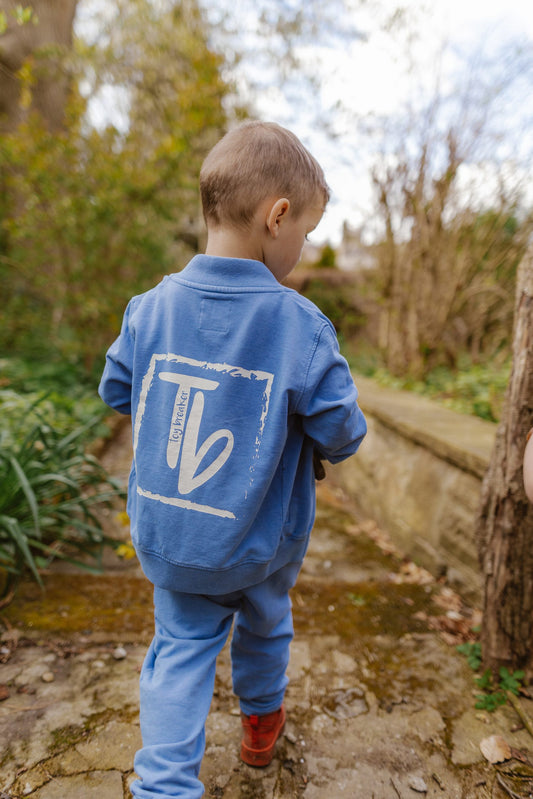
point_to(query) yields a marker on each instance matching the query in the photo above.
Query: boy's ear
(276, 216)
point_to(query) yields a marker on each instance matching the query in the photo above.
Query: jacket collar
(210, 271)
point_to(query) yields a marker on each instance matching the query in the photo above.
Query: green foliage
(91, 215)
(494, 692)
(336, 301)
(511, 682)
(477, 389)
(491, 701)
(26, 375)
(472, 652)
(21, 14)
(66, 396)
(474, 387)
(357, 600)
(327, 258)
(50, 487)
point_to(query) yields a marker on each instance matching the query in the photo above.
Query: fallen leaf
(418, 784)
(455, 627)
(450, 639)
(379, 537)
(520, 754)
(412, 574)
(495, 749)
(454, 615)
(448, 599)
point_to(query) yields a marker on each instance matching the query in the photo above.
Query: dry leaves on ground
(495, 749)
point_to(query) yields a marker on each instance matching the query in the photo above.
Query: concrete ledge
(419, 473)
(465, 441)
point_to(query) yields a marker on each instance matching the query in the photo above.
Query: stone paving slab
(90, 785)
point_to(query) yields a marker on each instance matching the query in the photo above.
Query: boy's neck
(232, 243)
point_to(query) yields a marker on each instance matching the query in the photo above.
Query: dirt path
(380, 704)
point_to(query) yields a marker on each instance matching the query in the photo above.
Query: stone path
(380, 704)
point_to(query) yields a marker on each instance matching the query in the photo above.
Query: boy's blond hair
(254, 162)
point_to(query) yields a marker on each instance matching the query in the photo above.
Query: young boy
(233, 382)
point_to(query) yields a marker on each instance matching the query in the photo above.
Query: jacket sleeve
(328, 405)
(116, 382)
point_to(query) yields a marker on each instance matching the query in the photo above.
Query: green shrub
(50, 489)
(336, 300)
(476, 389)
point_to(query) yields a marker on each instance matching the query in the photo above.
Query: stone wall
(418, 474)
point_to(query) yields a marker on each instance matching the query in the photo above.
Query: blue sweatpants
(178, 674)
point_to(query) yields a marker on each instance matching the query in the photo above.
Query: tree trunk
(50, 28)
(505, 521)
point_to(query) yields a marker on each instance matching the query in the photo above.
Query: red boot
(260, 736)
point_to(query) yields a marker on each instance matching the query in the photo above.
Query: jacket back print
(231, 380)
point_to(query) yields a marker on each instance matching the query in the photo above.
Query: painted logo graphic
(177, 423)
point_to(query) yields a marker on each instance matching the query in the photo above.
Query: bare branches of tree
(450, 197)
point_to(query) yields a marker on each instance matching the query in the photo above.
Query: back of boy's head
(252, 163)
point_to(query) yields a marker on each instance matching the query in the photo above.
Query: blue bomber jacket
(232, 381)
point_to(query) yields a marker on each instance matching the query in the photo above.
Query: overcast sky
(370, 76)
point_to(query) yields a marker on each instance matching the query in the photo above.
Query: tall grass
(50, 489)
